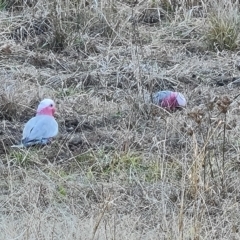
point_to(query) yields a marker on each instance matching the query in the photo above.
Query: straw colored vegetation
(121, 168)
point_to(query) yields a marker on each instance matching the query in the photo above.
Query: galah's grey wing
(159, 96)
(39, 129)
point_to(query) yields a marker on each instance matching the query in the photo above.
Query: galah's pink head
(46, 107)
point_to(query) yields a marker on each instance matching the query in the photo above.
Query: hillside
(121, 168)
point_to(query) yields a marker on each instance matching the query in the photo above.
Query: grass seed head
(197, 115)
(223, 104)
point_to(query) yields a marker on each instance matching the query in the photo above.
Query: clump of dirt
(10, 134)
(18, 5)
(8, 110)
(31, 29)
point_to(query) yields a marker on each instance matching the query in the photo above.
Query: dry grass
(120, 168)
(223, 27)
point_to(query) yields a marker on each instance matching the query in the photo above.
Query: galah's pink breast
(170, 101)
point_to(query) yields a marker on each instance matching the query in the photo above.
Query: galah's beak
(53, 110)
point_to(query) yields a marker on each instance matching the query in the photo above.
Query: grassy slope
(120, 167)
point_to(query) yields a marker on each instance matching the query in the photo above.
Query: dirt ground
(121, 167)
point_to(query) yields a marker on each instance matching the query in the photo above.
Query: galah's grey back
(39, 130)
(160, 96)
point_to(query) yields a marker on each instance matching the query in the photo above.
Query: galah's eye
(51, 105)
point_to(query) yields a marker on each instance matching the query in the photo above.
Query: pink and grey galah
(40, 129)
(169, 100)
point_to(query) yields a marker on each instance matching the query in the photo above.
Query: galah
(169, 100)
(41, 128)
